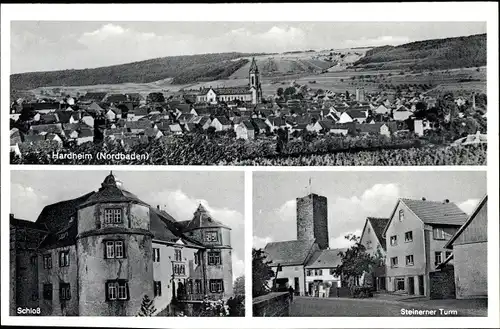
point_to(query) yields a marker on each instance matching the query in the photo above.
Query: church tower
(254, 82)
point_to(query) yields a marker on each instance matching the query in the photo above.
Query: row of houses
(430, 249)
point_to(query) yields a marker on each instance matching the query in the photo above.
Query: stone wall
(442, 284)
(272, 304)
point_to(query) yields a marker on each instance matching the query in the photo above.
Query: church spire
(253, 66)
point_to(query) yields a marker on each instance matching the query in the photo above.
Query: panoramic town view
(283, 94)
(370, 244)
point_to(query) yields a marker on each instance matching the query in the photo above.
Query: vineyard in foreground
(203, 150)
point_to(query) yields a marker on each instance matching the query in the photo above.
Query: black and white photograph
(127, 243)
(248, 93)
(370, 244)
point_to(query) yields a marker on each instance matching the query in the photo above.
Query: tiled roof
(110, 192)
(436, 212)
(288, 252)
(97, 97)
(57, 216)
(202, 218)
(378, 225)
(328, 258)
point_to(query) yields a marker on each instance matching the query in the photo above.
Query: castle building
(250, 93)
(101, 253)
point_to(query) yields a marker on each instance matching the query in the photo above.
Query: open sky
(352, 196)
(178, 193)
(50, 45)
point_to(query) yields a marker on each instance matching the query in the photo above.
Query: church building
(252, 93)
(101, 253)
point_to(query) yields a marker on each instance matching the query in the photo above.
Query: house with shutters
(320, 276)
(416, 235)
(100, 253)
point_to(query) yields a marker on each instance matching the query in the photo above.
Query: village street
(313, 306)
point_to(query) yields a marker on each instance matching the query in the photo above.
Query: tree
(355, 262)
(147, 307)
(239, 286)
(261, 273)
(155, 98)
(279, 92)
(289, 91)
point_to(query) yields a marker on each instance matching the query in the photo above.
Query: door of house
(411, 285)
(296, 287)
(400, 284)
(421, 285)
(381, 283)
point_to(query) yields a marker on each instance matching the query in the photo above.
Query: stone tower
(114, 248)
(312, 219)
(254, 82)
(217, 256)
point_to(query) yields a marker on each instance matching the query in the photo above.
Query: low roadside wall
(272, 304)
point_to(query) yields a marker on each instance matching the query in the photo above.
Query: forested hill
(434, 54)
(182, 69)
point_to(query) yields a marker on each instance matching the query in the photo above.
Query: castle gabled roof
(253, 66)
(202, 218)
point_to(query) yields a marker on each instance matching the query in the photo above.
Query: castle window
(179, 269)
(117, 289)
(409, 236)
(64, 258)
(318, 272)
(178, 255)
(214, 258)
(409, 260)
(47, 291)
(156, 254)
(114, 249)
(47, 261)
(157, 288)
(197, 287)
(64, 291)
(112, 216)
(211, 236)
(216, 285)
(394, 262)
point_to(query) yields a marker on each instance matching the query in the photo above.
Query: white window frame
(395, 240)
(156, 255)
(436, 253)
(113, 216)
(112, 291)
(408, 257)
(110, 249)
(394, 264)
(211, 236)
(122, 290)
(401, 215)
(119, 249)
(178, 254)
(411, 236)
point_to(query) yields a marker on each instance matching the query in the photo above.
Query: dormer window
(112, 216)
(401, 215)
